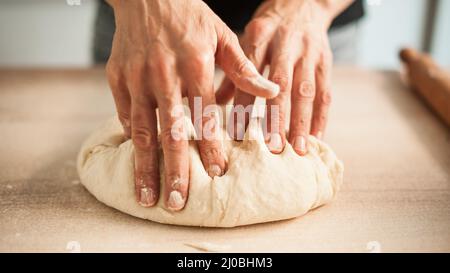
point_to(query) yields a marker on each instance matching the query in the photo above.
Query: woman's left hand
(291, 37)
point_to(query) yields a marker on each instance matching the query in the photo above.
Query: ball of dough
(258, 186)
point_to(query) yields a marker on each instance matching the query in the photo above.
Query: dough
(258, 186)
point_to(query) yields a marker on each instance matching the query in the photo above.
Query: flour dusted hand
(162, 51)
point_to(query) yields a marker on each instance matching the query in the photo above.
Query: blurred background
(59, 33)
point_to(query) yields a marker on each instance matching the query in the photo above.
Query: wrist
(321, 12)
(334, 7)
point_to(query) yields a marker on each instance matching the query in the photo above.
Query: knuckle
(307, 39)
(282, 80)
(134, 75)
(200, 65)
(256, 27)
(284, 29)
(170, 142)
(200, 59)
(112, 71)
(124, 117)
(241, 66)
(142, 137)
(322, 67)
(159, 64)
(230, 40)
(210, 151)
(325, 98)
(161, 68)
(135, 65)
(306, 91)
(307, 63)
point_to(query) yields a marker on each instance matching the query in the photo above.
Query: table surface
(396, 193)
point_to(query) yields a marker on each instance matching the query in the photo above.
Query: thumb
(239, 69)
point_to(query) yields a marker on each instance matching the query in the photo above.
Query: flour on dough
(258, 186)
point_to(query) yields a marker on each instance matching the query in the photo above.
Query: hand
(164, 50)
(291, 37)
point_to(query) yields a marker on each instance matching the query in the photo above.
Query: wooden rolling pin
(430, 81)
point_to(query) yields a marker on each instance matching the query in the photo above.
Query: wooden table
(396, 193)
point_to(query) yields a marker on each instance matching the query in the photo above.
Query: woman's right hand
(164, 50)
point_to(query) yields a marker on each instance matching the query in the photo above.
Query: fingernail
(275, 143)
(266, 84)
(176, 201)
(147, 198)
(300, 145)
(262, 82)
(214, 170)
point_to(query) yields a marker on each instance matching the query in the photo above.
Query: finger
(281, 73)
(144, 135)
(302, 98)
(240, 115)
(240, 69)
(121, 96)
(205, 115)
(175, 148)
(210, 145)
(225, 92)
(256, 48)
(323, 97)
(281, 70)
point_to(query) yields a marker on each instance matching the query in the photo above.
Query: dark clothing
(236, 14)
(353, 13)
(103, 33)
